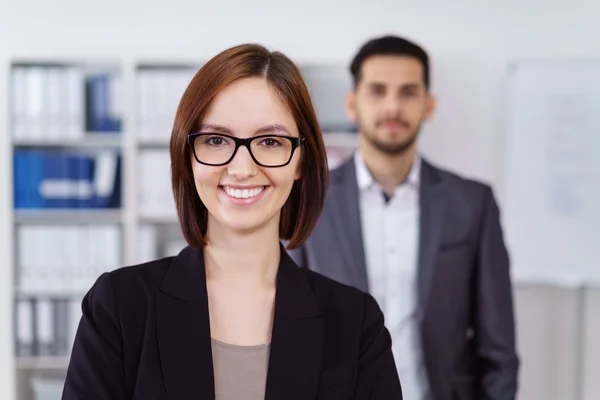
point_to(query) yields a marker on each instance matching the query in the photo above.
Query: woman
(232, 316)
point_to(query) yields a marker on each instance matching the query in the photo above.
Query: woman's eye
(270, 142)
(215, 141)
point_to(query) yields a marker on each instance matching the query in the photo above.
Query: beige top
(240, 371)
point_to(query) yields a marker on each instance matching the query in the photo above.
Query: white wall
(470, 43)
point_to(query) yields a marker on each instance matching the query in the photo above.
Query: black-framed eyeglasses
(216, 149)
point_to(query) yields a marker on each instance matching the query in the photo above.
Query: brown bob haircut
(307, 198)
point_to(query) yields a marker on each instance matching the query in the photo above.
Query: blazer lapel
(184, 332)
(297, 337)
(432, 218)
(184, 329)
(345, 213)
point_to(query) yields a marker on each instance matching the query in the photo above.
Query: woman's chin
(244, 223)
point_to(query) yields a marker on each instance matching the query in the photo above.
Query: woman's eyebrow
(273, 128)
(215, 128)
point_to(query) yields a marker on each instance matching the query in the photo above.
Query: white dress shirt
(390, 232)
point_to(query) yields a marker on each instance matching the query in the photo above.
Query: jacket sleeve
(377, 375)
(95, 369)
(494, 325)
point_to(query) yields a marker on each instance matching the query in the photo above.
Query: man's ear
(430, 106)
(350, 106)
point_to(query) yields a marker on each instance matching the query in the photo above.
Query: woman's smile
(243, 195)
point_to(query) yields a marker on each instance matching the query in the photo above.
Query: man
(425, 242)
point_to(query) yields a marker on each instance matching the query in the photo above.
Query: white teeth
(243, 193)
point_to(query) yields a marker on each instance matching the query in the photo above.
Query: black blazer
(145, 335)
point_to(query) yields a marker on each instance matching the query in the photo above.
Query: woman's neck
(245, 258)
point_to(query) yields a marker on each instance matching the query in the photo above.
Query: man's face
(390, 102)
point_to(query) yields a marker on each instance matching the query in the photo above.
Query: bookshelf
(91, 187)
(66, 123)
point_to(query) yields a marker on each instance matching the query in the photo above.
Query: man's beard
(392, 149)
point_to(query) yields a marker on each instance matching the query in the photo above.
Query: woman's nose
(242, 166)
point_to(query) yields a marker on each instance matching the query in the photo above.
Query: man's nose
(391, 105)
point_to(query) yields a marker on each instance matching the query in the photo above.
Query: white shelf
(89, 140)
(43, 362)
(74, 294)
(154, 143)
(159, 218)
(68, 216)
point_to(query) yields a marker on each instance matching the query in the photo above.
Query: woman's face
(242, 195)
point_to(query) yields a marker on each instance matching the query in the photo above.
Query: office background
(472, 45)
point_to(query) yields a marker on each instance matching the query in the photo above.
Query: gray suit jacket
(465, 293)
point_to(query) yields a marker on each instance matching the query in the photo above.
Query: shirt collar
(365, 179)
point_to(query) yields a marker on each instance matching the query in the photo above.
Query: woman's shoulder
(149, 274)
(130, 284)
(320, 282)
(336, 297)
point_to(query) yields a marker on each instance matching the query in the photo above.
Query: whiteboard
(552, 209)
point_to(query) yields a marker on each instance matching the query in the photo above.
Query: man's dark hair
(389, 45)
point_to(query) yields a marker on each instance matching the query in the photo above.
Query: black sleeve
(494, 326)
(377, 375)
(95, 369)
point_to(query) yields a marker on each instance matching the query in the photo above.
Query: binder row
(57, 102)
(46, 326)
(103, 97)
(159, 241)
(55, 259)
(159, 92)
(66, 179)
(155, 196)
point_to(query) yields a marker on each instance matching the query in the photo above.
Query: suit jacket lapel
(346, 219)
(184, 329)
(345, 212)
(432, 209)
(298, 332)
